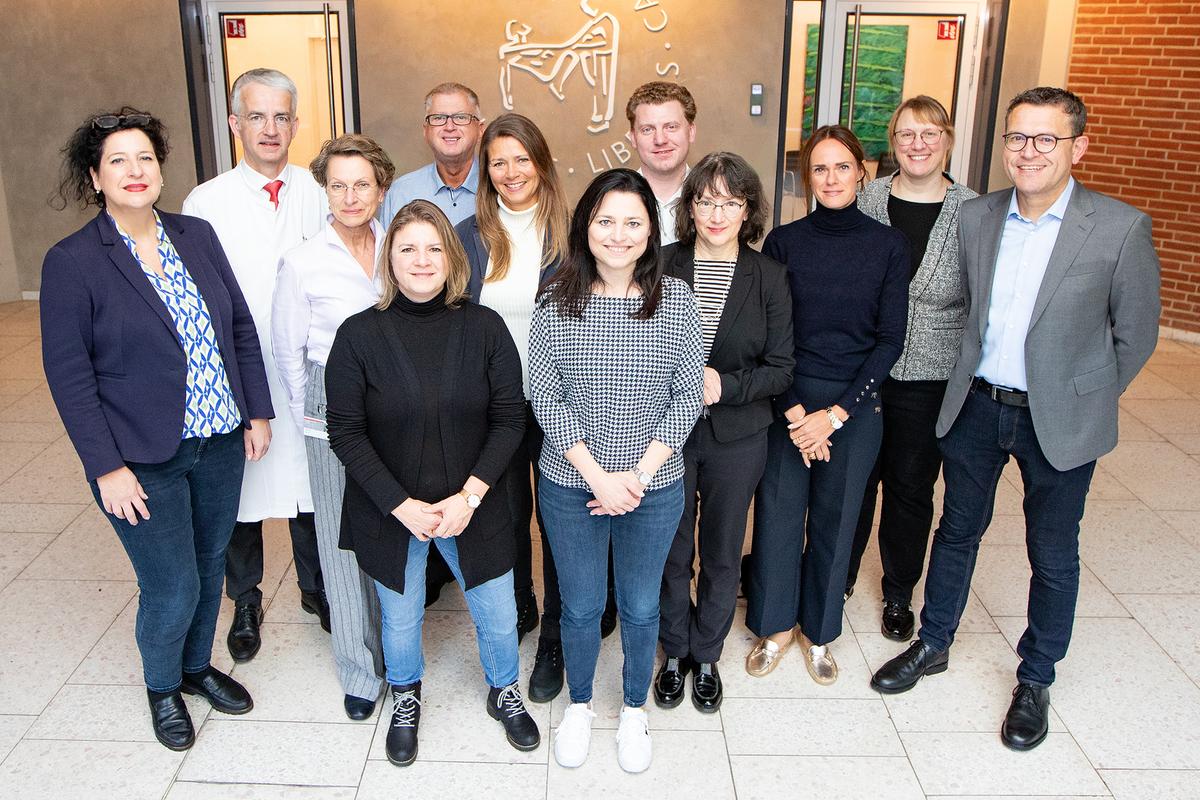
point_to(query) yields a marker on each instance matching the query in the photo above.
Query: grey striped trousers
(353, 603)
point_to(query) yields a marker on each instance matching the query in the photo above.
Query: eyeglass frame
(258, 126)
(1004, 137)
(700, 204)
(115, 120)
(356, 189)
(897, 134)
(470, 118)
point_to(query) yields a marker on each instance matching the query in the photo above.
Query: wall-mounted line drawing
(593, 48)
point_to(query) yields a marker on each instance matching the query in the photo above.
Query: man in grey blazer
(1062, 285)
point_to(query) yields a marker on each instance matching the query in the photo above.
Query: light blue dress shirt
(426, 184)
(1025, 248)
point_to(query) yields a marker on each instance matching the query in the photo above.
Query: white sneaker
(633, 740)
(573, 736)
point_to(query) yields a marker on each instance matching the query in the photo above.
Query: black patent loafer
(244, 639)
(707, 691)
(358, 708)
(1028, 718)
(171, 720)
(902, 672)
(670, 682)
(898, 621)
(221, 691)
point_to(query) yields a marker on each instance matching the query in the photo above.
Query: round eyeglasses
(1042, 142)
(929, 136)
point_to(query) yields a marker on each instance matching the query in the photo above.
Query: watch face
(473, 500)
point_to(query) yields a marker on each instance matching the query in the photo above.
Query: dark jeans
(724, 476)
(179, 553)
(908, 465)
(244, 558)
(975, 451)
(804, 520)
(640, 541)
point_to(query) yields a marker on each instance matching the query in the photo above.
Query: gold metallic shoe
(819, 660)
(765, 655)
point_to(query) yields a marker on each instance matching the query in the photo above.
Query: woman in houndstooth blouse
(616, 372)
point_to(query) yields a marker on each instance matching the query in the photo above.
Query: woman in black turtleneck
(849, 282)
(425, 412)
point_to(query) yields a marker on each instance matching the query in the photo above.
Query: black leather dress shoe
(317, 603)
(505, 704)
(358, 708)
(223, 692)
(608, 620)
(707, 692)
(670, 682)
(898, 621)
(1028, 718)
(902, 672)
(527, 613)
(401, 743)
(243, 638)
(172, 723)
(547, 679)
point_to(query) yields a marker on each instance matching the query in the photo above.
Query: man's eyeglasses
(361, 190)
(1042, 142)
(106, 122)
(438, 120)
(929, 136)
(705, 208)
(259, 121)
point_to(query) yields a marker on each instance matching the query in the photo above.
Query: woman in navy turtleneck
(849, 282)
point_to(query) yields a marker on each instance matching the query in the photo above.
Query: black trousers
(719, 480)
(244, 559)
(804, 520)
(908, 465)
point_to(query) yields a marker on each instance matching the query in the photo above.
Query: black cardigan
(376, 419)
(752, 350)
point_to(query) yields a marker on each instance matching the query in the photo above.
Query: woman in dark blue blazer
(153, 361)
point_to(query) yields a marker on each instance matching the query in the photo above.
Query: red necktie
(272, 189)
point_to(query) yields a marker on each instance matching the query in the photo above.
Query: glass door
(306, 40)
(879, 53)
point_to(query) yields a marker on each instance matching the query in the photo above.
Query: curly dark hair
(81, 154)
(742, 183)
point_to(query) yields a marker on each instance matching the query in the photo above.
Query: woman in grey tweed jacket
(922, 201)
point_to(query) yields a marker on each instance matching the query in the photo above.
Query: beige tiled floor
(1126, 707)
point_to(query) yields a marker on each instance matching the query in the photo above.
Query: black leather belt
(1001, 394)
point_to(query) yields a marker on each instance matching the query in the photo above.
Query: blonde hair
(927, 110)
(355, 144)
(552, 216)
(458, 269)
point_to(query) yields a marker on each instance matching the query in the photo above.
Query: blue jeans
(493, 610)
(640, 541)
(974, 452)
(179, 553)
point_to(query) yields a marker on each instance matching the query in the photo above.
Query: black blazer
(478, 255)
(111, 353)
(752, 350)
(376, 423)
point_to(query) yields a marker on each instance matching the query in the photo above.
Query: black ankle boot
(172, 723)
(505, 704)
(402, 732)
(317, 603)
(608, 620)
(547, 679)
(527, 613)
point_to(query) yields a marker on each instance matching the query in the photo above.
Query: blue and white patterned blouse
(209, 407)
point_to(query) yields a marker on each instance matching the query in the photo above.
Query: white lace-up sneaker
(573, 736)
(633, 740)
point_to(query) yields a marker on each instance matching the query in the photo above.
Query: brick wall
(1137, 66)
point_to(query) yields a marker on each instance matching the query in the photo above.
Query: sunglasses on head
(107, 122)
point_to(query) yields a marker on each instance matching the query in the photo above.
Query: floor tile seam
(92, 649)
(1171, 527)
(1162, 648)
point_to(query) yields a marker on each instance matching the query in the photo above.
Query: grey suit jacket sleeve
(1134, 304)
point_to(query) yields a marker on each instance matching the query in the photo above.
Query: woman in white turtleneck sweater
(515, 241)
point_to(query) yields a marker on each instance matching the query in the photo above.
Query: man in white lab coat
(260, 209)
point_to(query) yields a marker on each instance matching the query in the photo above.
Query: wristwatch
(833, 419)
(473, 500)
(644, 478)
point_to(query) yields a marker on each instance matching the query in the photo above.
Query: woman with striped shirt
(746, 321)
